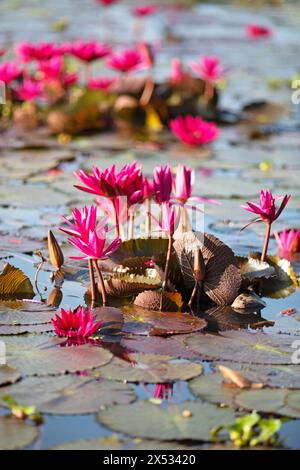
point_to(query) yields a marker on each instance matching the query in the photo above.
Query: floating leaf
(225, 318)
(222, 275)
(8, 375)
(127, 285)
(248, 301)
(149, 369)
(22, 329)
(151, 300)
(42, 355)
(145, 247)
(25, 313)
(158, 345)
(14, 284)
(253, 269)
(111, 318)
(165, 424)
(241, 346)
(16, 434)
(69, 394)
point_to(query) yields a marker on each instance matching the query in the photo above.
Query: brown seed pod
(222, 278)
(55, 252)
(150, 300)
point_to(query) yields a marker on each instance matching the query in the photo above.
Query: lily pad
(113, 442)
(160, 323)
(149, 369)
(43, 355)
(67, 395)
(224, 318)
(112, 319)
(14, 283)
(25, 313)
(166, 424)
(146, 247)
(16, 434)
(8, 375)
(22, 329)
(158, 345)
(241, 346)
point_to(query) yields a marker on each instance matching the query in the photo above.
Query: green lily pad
(16, 434)
(8, 375)
(274, 401)
(241, 346)
(149, 369)
(209, 388)
(43, 355)
(22, 329)
(165, 424)
(67, 395)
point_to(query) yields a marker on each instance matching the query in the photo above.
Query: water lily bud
(55, 253)
(55, 297)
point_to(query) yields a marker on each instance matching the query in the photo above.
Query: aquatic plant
(193, 130)
(77, 323)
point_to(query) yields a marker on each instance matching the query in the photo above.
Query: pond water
(36, 180)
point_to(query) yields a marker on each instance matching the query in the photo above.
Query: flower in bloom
(266, 209)
(255, 31)
(193, 130)
(85, 221)
(163, 391)
(51, 69)
(129, 60)
(106, 3)
(94, 248)
(208, 68)
(75, 324)
(9, 71)
(288, 240)
(89, 51)
(145, 10)
(101, 83)
(162, 183)
(183, 186)
(29, 90)
(168, 218)
(41, 51)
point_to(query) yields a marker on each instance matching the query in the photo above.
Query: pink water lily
(107, 3)
(145, 10)
(75, 324)
(288, 241)
(126, 61)
(162, 183)
(163, 391)
(168, 218)
(208, 68)
(101, 83)
(193, 130)
(177, 72)
(88, 51)
(268, 212)
(94, 248)
(29, 90)
(9, 72)
(255, 31)
(41, 51)
(85, 221)
(2, 51)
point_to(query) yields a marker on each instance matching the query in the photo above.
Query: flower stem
(117, 225)
(131, 225)
(148, 217)
(183, 219)
(266, 243)
(167, 269)
(101, 282)
(208, 90)
(93, 285)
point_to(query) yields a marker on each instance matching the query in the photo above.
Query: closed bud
(55, 253)
(55, 297)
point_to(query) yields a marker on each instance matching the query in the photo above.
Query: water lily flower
(29, 90)
(9, 72)
(255, 31)
(94, 248)
(162, 183)
(85, 221)
(144, 10)
(41, 51)
(2, 51)
(52, 68)
(163, 391)
(101, 83)
(193, 130)
(177, 72)
(209, 69)
(168, 218)
(267, 212)
(127, 61)
(88, 51)
(288, 240)
(106, 3)
(75, 324)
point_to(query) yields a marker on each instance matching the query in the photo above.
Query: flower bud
(55, 253)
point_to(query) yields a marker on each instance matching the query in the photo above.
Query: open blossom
(129, 60)
(183, 186)
(94, 248)
(106, 3)
(52, 70)
(266, 209)
(168, 218)
(193, 130)
(208, 68)
(101, 83)
(145, 10)
(88, 51)
(9, 71)
(85, 221)
(29, 90)
(75, 324)
(162, 183)
(41, 51)
(288, 240)
(255, 31)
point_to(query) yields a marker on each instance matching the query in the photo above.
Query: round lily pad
(22, 329)
(274, 401)
(158, 345)
(16, 434)
(25, 313)
(149, 369)
(115, 443)
(45, 355)
(148, 420)
(67, 395)
(8, 375)
(242, 346)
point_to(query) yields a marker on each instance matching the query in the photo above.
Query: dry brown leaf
(237, 379)
(14, 283)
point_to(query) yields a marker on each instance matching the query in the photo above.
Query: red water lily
(101, 83)
(145, 10)
(288, 240)
(88, 51)
(162, 183)
(2, 51)
(163, 391)
(267, 212)
(41, 51)
(193, 130)
(127, 61)
(9, 72)
(29, 90)
(75, 324)
(256, 31)
(106, 3)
